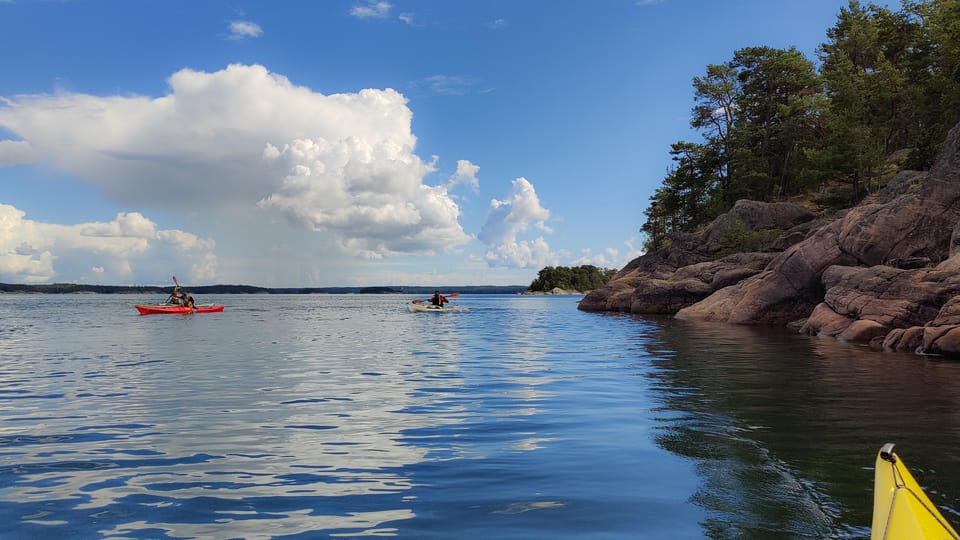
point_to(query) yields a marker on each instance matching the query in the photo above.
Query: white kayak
(430, 308)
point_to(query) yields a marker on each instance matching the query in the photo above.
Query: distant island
(79, 288)
(570, 280)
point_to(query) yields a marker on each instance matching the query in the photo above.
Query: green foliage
(777, 117)
(688, 197)
(928, 144)
(739, 239)
(837, 197)
(869, 112)
(775, 126)
(578, 278)
(757, 113)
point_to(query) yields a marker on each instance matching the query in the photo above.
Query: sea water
(319, 416)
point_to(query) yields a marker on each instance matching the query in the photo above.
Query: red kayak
(149, 309)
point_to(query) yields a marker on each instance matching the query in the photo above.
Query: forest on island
(776, 125)
(577, 278)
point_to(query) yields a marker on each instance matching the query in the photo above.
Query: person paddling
(175, 297)
(438, 299)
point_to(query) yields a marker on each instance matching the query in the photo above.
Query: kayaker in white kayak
(438, 299)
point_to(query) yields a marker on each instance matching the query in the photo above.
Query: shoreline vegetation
(79, 288)
(824, 197)
(566, 280)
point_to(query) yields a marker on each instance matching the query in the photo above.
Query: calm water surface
(324, 416)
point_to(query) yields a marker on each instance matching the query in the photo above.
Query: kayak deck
(430, 308)
(901, 510)
(153, 309)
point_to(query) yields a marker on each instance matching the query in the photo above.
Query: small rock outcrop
(883, 273)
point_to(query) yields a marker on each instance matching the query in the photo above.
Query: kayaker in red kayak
(175, 297)
(180, 301)
(180, 298)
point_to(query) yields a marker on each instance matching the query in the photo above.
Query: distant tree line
(774, 125)
(578, 278)
(75, 288)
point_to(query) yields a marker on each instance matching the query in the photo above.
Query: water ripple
(316, 416)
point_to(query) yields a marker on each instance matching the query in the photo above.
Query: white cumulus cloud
(508, 219)
(123, 250)
(467, 175)
(233, 148)
(368, 193)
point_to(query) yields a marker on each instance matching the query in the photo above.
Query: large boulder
(917, 224)
(786, 290)
(693, 283)
(862, 304)
(753, 216)
(939, 336)
(691, 268)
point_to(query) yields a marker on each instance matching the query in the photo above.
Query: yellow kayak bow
(901, 510)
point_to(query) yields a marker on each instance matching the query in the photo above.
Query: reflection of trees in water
(784, 428)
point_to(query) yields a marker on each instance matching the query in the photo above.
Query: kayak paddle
(451, 295)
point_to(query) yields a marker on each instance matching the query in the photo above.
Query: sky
(350, 143)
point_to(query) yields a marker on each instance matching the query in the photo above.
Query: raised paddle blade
(453, 295)
(418, 301)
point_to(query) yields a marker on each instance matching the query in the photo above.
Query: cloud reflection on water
(245, 421)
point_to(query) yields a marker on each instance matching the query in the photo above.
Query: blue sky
(324, 143)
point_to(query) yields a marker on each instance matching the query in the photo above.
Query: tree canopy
(775, 125)
(578, 278)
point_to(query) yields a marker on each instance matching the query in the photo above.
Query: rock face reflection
(784, 430)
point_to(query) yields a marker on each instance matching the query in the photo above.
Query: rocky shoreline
(882, 273)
